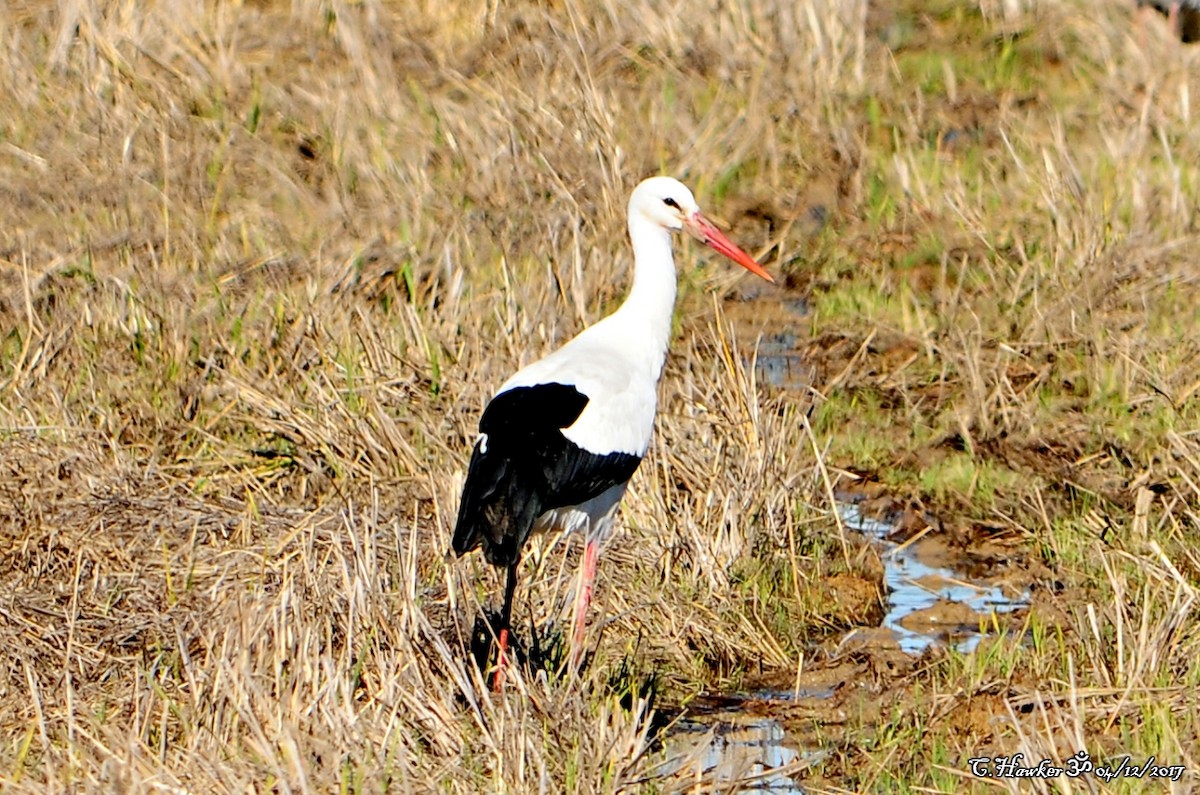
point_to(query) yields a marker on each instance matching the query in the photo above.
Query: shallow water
(774, 343)
(726, 742)
(779, 364)
(930, 603)
(729, 747)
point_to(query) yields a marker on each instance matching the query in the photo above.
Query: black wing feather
(526, 466)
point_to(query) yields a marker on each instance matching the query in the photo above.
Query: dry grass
(262, 263)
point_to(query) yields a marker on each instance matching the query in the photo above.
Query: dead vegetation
(262, 264)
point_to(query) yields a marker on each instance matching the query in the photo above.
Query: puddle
(774, 322)
(791, 694)
(779, 363)
(757, 742)
(929, 600)
(732, 751)
(749, 752)
(730, 743)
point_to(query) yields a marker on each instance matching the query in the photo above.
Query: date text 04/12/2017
(1078, 765)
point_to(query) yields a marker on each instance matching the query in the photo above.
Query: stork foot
(495, 648)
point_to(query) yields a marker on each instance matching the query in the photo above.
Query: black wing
(524, 466)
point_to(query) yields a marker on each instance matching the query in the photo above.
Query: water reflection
(930, 603)
(746, 751)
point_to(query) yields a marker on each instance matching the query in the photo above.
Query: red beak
(702, 229)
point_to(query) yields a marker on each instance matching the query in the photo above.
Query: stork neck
(651, 303)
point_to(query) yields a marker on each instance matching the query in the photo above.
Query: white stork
(560, 439)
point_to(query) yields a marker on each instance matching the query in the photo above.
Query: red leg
(501, 661)
(583, 598)
(510, 588)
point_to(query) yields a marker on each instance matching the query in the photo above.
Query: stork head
(668, 203)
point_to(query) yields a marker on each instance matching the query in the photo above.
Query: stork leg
(583, 597)
(510, 588)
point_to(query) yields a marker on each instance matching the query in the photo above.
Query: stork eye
(671, 203)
